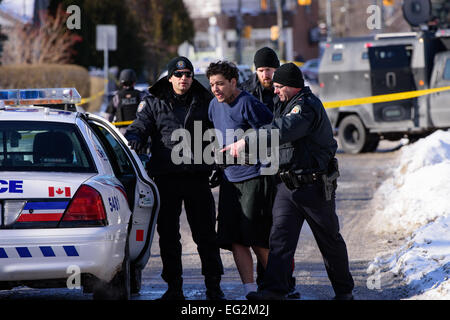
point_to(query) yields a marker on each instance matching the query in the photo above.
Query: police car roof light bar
(25, 97)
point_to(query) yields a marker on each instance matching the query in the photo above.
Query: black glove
(135, 145)
(215, 178)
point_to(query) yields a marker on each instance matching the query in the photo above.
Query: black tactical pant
(291, 208)
(199, 205)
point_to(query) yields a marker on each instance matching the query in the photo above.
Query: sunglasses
(179, 74)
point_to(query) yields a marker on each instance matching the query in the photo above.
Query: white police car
(73, 197)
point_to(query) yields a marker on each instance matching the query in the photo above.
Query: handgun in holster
(330, 179)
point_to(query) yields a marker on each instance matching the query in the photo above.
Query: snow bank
(418, 192)
(416, 200)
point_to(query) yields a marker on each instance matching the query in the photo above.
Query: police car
(76, 204)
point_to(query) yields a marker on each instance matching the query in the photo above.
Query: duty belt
(294, 180)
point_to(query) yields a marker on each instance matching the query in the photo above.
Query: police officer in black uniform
(176, 102)
(305, 189)
(124, 103)
(260, 85)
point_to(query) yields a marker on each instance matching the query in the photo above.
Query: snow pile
(417, 201)
(419, 190)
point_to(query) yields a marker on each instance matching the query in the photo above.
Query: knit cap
(266, 57)
(289, 75)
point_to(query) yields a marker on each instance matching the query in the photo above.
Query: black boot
(344, 296)
(174, 292)
(213, 290)
(265, 295)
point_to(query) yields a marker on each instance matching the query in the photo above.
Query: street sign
(106, 37)
(106, 40)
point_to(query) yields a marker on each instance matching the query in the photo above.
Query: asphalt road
(360, 176)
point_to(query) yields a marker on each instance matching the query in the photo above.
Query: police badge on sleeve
(141, 106)
(296, 109)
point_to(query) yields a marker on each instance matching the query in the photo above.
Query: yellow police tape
(87, 100)
(122, 123)
(358, 101)
(382, 98)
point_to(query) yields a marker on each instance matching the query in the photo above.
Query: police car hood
(26, 185)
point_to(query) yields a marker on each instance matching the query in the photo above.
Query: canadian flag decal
(59, 192)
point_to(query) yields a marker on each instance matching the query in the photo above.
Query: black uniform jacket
(157, 119)
(254, 87)
(124, 104)
(306, 136)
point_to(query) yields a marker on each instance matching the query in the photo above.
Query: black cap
(289, 75)
(178, 63)
(266, 57)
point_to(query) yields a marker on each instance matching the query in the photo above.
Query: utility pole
(279, 5)
(329, 22)
(239, 27)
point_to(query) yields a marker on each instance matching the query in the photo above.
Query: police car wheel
(120, 286)
(352, 134)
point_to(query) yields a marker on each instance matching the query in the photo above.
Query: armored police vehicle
(385, 64)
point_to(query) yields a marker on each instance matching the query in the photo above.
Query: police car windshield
(43, 146)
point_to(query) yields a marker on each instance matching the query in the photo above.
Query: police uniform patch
(181, 64)
(141, 106)
(296, 109)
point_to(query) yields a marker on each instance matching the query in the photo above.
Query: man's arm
(290, 127)
(142, 127)
(111, 110)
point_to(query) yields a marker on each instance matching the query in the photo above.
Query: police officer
(305, 189)
(178, 101)
(260, 85)
(124, 103)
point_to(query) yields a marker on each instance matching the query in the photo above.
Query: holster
(330, 179)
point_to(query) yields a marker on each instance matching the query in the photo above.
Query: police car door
(439, 108)
(390, 68)
(141, 192)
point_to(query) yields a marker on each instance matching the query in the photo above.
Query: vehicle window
(43, 146)
(336, 57)
(390, 56)
(120, 162)
(447, 70)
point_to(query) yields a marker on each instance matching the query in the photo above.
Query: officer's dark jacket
(156, 119)
(124, 104)
(254, 87)
(306, 137)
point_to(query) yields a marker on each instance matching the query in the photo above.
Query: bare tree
(51, 42)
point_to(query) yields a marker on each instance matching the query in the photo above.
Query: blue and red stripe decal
(43, 211)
